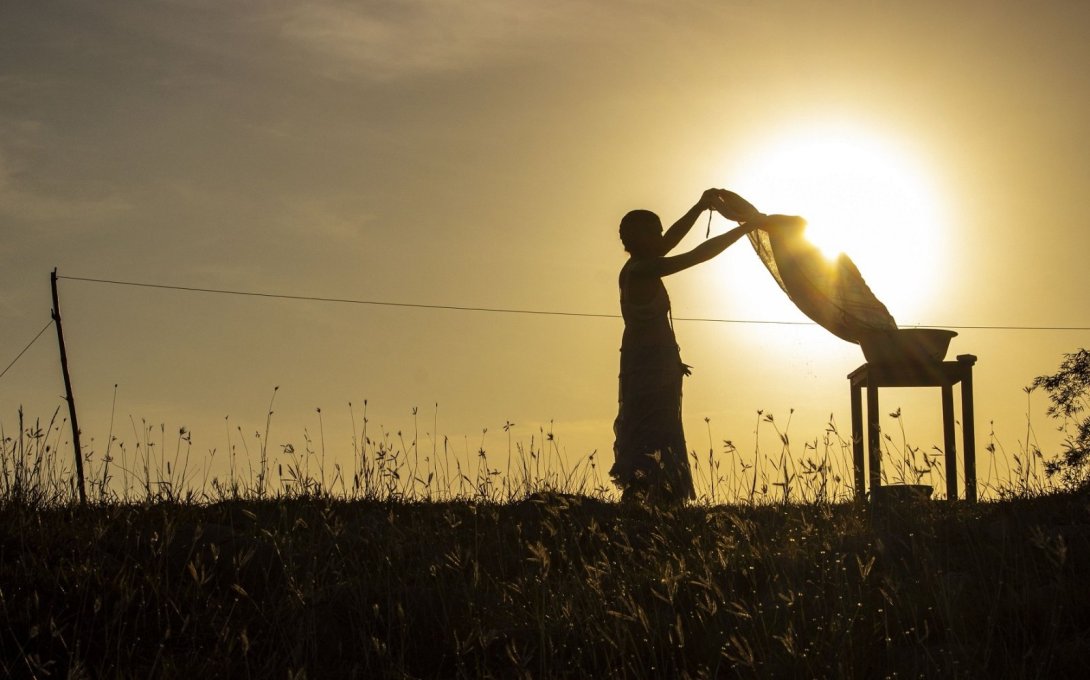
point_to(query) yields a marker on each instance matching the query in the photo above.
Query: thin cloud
(385, 41)
(22, 202)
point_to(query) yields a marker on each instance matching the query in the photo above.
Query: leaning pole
(68, 389)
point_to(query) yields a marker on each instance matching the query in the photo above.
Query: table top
(913, 374)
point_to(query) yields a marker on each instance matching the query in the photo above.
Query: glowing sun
(862, 194)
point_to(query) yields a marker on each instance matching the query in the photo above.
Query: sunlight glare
(862, 195)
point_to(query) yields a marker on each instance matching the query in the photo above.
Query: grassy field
(549, 586)
(520, 581)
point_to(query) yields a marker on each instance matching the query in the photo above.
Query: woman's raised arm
(664, 266)
(727, 203)
(709, 200)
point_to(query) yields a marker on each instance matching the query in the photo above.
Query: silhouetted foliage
(1069, 391)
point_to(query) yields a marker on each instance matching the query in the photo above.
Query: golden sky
(481, 154)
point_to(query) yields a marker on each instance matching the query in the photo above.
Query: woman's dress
(650, 454)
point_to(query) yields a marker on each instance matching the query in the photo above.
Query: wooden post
(68, 390)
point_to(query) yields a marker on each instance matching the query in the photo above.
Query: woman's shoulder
(641, 266)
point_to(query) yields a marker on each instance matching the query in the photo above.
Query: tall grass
(155, 464)
(435, 560)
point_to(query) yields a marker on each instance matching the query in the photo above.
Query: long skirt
(651, 459)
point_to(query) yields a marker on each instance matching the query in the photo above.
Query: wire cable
(28, 346)
(504, 310)
(383, 303)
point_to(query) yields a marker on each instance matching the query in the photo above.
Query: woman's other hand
(735, 208)
(711, 199)
(782, 224)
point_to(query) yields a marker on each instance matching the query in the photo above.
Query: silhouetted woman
(651, 459)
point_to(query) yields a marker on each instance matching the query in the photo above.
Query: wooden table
(942, 374)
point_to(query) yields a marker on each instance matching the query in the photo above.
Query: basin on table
(907, 345)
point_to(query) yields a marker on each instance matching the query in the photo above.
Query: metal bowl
(907, 346)
(892, 494)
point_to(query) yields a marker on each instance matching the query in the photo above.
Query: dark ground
(551, 586)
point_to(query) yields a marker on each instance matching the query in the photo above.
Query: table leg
(857, 443)
(968, 429)
(949, 442)
(874, 439)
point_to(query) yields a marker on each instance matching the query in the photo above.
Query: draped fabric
(650, 454)
(833, 294)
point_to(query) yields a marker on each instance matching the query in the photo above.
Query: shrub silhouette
(1069, 391)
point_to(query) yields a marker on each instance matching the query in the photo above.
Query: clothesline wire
(28, 346)
(503, 310)
(384, 303)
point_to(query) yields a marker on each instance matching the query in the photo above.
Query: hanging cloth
(831, 293)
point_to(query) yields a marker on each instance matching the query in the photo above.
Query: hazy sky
(481, 154)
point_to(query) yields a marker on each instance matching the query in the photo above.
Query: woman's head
(641, 232)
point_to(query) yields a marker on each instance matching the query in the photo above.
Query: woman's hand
(711, 199)
(735, 208)
(728, 204)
